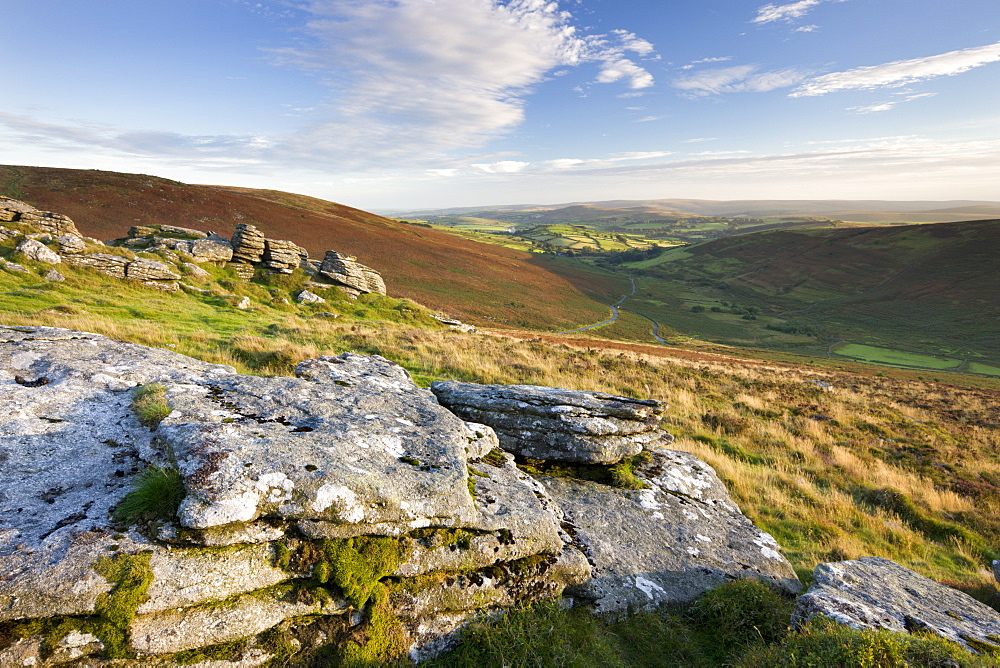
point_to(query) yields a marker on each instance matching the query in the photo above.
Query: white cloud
(649, 119)
(789, 12)
(808, 28)
(901, 72)
(598, 163)
(696, 140)
(638, 155)
(629, 42)
(872, 108)
(442, 172)
(413, 79)
(502, 167)
(693, 63)
(886, 106)
(204, 149)
(905, 167)
(623, 68)
(738, 79)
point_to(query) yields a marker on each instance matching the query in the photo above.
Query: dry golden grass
(869, 466)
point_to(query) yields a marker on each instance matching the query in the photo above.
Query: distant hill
(859, 210)
(923, 287)
(476, 282)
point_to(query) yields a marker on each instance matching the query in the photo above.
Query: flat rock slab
(321, 448)
(875, 593)
(70, 449)
(557, 424)
(666, 544)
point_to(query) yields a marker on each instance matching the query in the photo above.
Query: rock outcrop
(248, 244)
(668, 543)
(249, 248)
(455, 324)
(53, 238)
(350, 275)
(283, 256)
(555, 424)
(55, 224)
(286, 483)
(38, 252)
(875, 593)
(345, 504)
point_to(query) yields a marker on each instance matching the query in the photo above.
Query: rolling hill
(480, 283)
(874, 211)
(924, 288)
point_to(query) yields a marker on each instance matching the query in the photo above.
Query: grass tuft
(149, 403)
(156, 495)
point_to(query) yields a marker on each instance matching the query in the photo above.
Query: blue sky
(388, 104)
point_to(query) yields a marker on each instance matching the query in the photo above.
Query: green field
(985, 369)
(892, 357)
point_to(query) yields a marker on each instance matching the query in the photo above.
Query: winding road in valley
(615, 309)
(614, 313)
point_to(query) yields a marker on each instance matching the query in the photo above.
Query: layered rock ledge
(555, 424)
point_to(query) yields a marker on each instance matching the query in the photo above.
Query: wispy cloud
(788, 12)
(903, 166)
(695, 63)
(205, 149)
(720, 153)
(738, 79)
(413, 79)
(502, 167)
(901, 72)
(408, 81)
(599, 163)
(886, 106)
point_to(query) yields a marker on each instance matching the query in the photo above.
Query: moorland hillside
(475, 282)
(924, 288)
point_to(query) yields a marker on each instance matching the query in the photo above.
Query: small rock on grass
(306, 297)
(37, 251)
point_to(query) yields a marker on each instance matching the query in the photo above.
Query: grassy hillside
(913, 289)
(472, 281)
(835, 463)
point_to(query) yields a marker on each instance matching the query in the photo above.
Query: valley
(911, 296)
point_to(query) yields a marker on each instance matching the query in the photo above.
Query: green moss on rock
(620, 475)
(356, 565)
(130, 575)
(381, 640)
